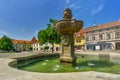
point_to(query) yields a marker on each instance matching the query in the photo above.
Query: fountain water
(67, 27)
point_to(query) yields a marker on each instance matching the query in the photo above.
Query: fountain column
(67, 27)
(67, 55)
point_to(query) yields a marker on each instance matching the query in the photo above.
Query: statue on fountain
(67, 14)
(67, 27)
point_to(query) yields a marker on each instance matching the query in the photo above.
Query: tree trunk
(52, 47)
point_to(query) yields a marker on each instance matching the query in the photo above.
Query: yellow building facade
(79, 40)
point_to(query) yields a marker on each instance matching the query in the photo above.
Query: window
(108, 36)
(117, 35)
(79, 40)
(37, 49)
(116, 27)
(87, 38)
(93, 37)
(41, 48)
(76, 41)
(100, 30)
(100, 37)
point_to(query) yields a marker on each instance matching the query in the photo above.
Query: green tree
(42, 37)
(49, 34)
(46, 47)
(30, 48)
(52, 35)
(6, 44)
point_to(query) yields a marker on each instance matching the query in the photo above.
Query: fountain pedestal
(67, 55)
(67, 27)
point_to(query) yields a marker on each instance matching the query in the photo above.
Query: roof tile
(108, 25)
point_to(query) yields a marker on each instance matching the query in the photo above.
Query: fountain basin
(53, 66)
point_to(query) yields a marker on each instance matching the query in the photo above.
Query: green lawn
(53, 66)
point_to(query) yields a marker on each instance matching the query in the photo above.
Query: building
(79, 40)
(37, 47)
(103, 37)
(56, 47)
(35, 44)
(21, 45)
(27, 45)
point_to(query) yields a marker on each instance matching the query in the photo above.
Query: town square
(59, 40)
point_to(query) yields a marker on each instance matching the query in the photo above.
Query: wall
(105, 41)
(113, 57)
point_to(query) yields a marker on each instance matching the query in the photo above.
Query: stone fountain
(67, 27)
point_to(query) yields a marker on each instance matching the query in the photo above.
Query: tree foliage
(30, 48)
(49, 35)
(42, 37)
(6, 44)
(46, 47)
(52, 35)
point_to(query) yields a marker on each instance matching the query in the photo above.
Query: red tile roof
(108, 25)
(23, 41)
(81, 32)
(13, 41)
(20, 41)
(34, 40)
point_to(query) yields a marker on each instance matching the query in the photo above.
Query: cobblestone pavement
(9, 73)
(20, 54)
(12, 55)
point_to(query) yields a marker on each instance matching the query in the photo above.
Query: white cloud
(36, 32)
(98, 9)
(72, 5)
(4, 32)
(75, 5)
(67, 1)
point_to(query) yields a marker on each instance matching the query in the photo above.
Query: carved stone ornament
(67, 14)
(67, 27)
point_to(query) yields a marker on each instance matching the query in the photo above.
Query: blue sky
(22, 19)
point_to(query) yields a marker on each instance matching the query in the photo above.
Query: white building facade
(39, 48)
(103, 37)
